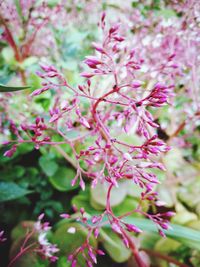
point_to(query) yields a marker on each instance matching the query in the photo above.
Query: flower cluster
(45, 249)
(42, 246)
(29, 25)
(86, 250)
(170, 46)
(109, 159)
(141, 77)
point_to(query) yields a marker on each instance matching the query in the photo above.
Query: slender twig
(22, 251)
(164, 257)
(12, 43)
(132, 246)
(66, 156)
(10, 39)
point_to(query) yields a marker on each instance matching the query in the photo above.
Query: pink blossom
(2, 238)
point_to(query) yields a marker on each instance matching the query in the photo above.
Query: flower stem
(164, 257)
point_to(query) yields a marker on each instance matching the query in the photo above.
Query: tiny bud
(136, 84)
(89, 82)
(127, 156)
(91, 148)
(82, 210)
(41, 216)
(73, 182)
(65, 216)
(9, 153)
(116, 228)
(125, 241)
(160, 203)
(87, 75)
(47, 138)
(96, 232)
(84, 122)
(98, 48)
(133, 228)
(6, 143)
(107, 146)
(103, 16)
(37, 146)
(161, 233)
(54, 118)
(74, 263)
(92, 256)
(74, 208)
(24, 127)
(80, 87)
(70, 257)
(89, 263)
(165, 226)
(169, 213)
(96, 219)
(40, 74)
(2, 238)
(52, 74)
(100, 252)
(114, 29)
(82, 184)
(94, 183)
(37, 120)
(119, 38)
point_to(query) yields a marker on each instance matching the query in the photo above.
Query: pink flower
(9, 153)
(2, 238)
(46, 248)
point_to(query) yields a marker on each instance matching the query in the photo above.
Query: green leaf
(18, 8)
(70, 236)
(148, 240)
(61, 180)
(173, 160)
(166, 13)
(99, 194)
(128, 204)
(194, 225)
(167, 245)
(10, 191)
(114, 245)
(5, 89)
(82, 200)
(62, 262)
(28, 62)
(185, 235)
(8, 55)
(24, 148)
(72, 134)
(52, 3)
(184, 217)
(19, 171)
(49, 166)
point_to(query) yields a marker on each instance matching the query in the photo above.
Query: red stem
(11, 40)
(132, 246)
(178, 130)
(97, 119)
(12, 43)
(164, 257)
(134, 250)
